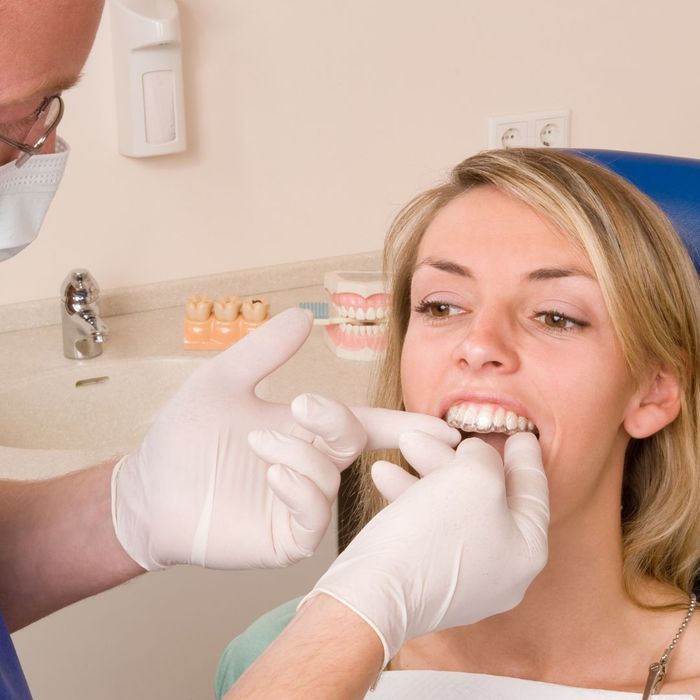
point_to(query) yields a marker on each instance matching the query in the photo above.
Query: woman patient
(536, 291)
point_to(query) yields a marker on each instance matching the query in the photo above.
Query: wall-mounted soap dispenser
(147, 58)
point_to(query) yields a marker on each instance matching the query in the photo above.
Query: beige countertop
(36, 352)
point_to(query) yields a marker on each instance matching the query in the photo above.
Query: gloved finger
(425, 453)
(309, 510)
(339, 434)
(260, 353)
(383, 426)
(526, 487)
(391, 479)
(485, 464)
(277, 448)
(479, 450)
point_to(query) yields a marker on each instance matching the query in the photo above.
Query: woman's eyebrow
(445, 266)
(552, 273)
(538, 275)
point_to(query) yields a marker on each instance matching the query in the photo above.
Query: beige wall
(311, 121)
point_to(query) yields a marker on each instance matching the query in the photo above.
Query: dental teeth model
(488, 418)
(214, 325)
(358, 297)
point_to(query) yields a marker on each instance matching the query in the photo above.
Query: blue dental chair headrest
(673, 183)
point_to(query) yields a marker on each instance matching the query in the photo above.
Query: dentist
(197, 491)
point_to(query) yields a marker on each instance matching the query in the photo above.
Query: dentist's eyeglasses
(46, 118)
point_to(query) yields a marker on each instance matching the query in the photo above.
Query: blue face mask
(25, 196)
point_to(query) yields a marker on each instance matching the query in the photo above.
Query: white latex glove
(456, 546)
(195, 493)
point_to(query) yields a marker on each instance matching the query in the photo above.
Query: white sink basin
(109, 404)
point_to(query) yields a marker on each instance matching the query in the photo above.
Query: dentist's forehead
(43, 46)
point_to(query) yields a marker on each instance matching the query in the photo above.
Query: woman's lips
(476, 417)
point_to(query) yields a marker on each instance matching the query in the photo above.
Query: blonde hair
(652, 293)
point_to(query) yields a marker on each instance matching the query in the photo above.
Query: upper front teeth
(488, 418)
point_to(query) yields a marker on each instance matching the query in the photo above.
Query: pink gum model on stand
(215, 325)
(357, 295)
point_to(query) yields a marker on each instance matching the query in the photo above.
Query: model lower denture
(488, 418)
(357, 296)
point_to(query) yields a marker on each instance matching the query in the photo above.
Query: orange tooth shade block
(217, 325)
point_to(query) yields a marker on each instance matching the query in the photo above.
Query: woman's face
(508, 325)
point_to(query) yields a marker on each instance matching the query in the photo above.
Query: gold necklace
(657, 671)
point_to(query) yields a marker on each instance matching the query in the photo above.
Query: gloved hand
(456, 546)
(194, 492)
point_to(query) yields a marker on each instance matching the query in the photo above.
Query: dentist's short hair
(652, 293)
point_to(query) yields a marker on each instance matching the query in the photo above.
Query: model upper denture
(373, 308)
(472, 417)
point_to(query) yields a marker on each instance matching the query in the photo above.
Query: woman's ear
(656, 404)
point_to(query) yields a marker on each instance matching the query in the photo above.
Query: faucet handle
(79, 287)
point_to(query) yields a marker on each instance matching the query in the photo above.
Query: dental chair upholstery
(673, 183)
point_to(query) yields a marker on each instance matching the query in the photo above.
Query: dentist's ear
(654, 405)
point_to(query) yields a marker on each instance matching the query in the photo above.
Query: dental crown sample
(216, 324)
(357, 296)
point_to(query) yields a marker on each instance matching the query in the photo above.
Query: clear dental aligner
(216, 324)
(488, 418)
(360, 296)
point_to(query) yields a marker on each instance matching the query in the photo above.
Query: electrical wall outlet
(552, 129)
(535, 129)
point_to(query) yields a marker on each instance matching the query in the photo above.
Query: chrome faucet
(84, 332)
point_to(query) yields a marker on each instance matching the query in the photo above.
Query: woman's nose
(488, 342)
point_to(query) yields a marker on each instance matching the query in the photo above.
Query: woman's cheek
(407, 376)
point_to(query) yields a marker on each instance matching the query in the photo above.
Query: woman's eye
(559, 322)
(437, 309)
